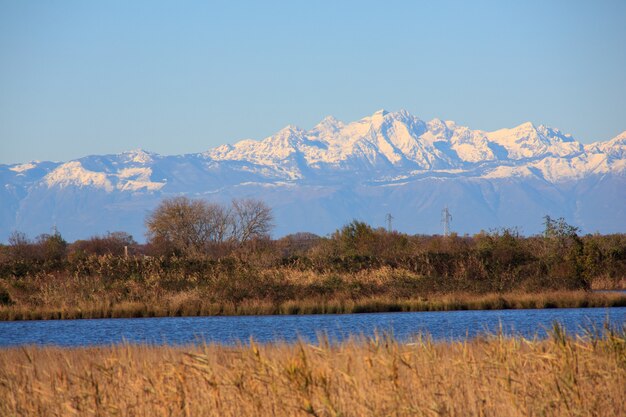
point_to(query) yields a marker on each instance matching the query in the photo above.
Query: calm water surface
(229, 330)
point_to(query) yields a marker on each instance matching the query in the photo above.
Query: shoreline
(443, 302)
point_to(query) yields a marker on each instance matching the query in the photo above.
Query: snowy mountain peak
(336, 171)
(328, 124)
(437, 126)
(614, 150)
(528, 141)
(377, 117)
(329, 120)
(387, 143)
(23, 167)
(376, 148)
(619, 139)
(290, 129)
(74, 174)
(138, 156)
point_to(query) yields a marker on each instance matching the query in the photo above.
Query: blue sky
(87, 77)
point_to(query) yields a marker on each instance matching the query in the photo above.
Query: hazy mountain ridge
(337, 171)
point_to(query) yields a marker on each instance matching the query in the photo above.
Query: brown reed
(487, 376)
(183, 305)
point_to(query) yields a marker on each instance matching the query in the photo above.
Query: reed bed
(487, 376)
(188, 304)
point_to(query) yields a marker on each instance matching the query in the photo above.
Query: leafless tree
(21, 247)
(220, 222)
(182, 225)
(190, 227)
(252, 219)
(18, 238)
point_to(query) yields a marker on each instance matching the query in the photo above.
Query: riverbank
(487, 376)
(190, 304)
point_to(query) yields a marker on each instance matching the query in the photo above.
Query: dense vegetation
(187, 268)
(488, 376)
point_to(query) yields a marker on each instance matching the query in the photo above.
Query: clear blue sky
(90, 77)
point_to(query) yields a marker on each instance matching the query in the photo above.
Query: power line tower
(389, 218)
(446, 218)
(55, 230)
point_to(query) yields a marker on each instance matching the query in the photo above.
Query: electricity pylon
(389, 218)
(446, 218)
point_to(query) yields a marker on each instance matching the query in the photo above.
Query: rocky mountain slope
(317, 180)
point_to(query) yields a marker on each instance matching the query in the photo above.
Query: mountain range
(319, 179)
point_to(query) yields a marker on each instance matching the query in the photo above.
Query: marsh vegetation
(487, 376)
(230, 266)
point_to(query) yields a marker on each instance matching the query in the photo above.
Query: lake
(239, 329)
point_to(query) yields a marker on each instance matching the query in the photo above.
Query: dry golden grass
(285, 290)
(191, 303)
(489, 376)
(608, 283)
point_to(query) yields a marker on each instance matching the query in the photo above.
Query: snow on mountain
(528, 141)
(127, 178)
(135, 179)
(615, 149)
(318, 179)
(23, 167)
(73, 173)
(385, 144)
(138, 156)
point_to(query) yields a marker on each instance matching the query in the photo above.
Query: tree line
(195, 234)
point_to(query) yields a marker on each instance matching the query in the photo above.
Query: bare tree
(251, 219)
(182, 225)
(18, 238)
(220, 222)
(190, 227)
(21, 246)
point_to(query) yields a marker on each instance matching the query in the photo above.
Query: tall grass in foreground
(488, 376)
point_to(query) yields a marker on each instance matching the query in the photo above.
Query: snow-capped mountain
(319, 179)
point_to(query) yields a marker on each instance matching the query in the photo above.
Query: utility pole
(446, 218)
(389, 218)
